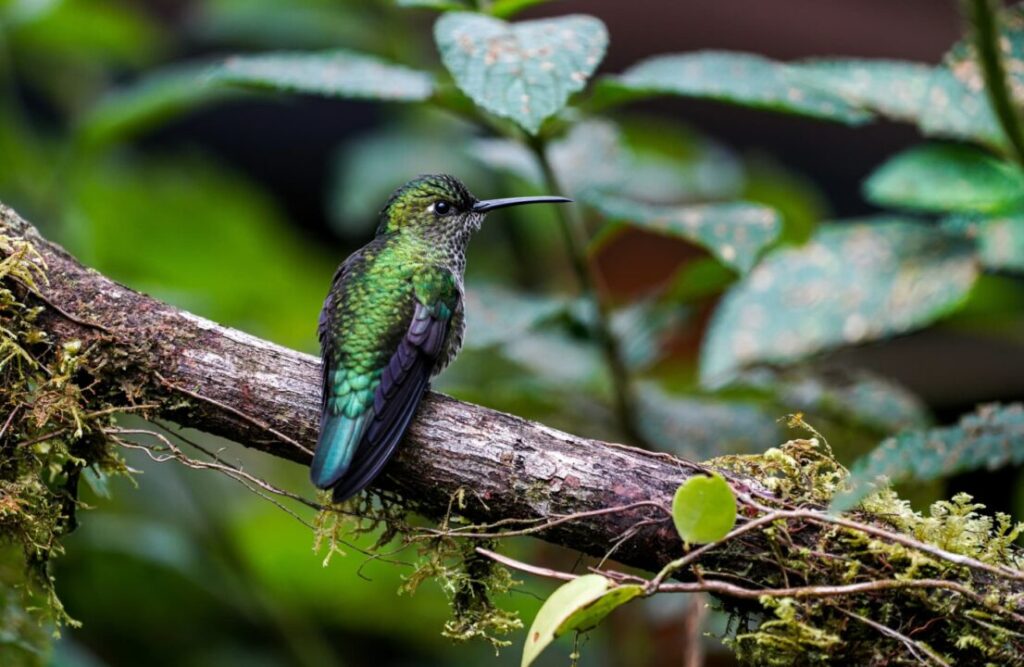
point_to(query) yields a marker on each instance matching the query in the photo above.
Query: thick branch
(266, 397)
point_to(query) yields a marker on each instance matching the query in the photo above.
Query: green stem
(576, 241)
(986, 43)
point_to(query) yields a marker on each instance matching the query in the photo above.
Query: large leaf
(891, 88)
(860, 396)
(739, 78)
(704, 509)
(851, 283)
(735, 232)
(957, 105)
(149, 101)
(990, 438)
(941, 177)
(330, 73)
(999, 239)
(523, 71)
(700, 427)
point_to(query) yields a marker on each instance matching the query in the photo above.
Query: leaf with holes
(999, 239)
(853, 282)
(989, 438)
(704, 509)
(524, 71)
(734, 232)
(330, 73)
(739, 78)
(558, 608)
(941, 177)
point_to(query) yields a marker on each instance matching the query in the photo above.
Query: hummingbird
(393, 319)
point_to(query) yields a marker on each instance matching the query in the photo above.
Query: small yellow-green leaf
(704, 509)
(559, 607)
(590, 615)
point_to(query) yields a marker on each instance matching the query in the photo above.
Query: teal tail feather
(339, 438)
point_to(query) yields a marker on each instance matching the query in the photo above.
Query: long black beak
(491, 204)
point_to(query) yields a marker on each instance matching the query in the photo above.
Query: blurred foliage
(93, 96)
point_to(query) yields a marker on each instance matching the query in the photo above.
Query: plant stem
(576, 241)
(986, 43)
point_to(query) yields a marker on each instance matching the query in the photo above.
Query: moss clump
(47, 438)
(830, 630)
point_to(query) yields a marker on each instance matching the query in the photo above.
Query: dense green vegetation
(514, 107)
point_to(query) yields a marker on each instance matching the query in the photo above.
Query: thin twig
(911, 645)
(238, 413)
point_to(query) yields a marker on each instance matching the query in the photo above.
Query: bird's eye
(442, 207)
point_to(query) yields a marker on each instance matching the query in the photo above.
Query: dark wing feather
(403, 382)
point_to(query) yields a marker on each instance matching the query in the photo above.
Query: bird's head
(441, 204)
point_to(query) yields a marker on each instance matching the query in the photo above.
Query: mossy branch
(112, 348)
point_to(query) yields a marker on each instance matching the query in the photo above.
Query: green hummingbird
(393, 319)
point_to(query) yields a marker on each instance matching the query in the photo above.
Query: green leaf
(495, 315)
(946, 177)
(957, 106)
(853, 282)
(590, 615)
(738, 78)
(559, 608)
(439, 5)
(330, 73)
(891, 88)
(281, 24)
(860, 396)
(734, 232)
(704, 509)
(989, 438)
(699, 427)
(125, 112)
(524, 71)
(999, 239)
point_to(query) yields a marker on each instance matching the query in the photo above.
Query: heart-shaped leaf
(704, 509)
(851, 283)
(524, 71)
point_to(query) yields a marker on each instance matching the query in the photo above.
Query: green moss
(47, 437)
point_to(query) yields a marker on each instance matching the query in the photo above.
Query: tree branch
(516, 473)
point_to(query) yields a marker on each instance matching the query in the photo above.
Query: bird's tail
(339, 438)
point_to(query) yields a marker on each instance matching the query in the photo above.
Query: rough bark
(266, 397)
